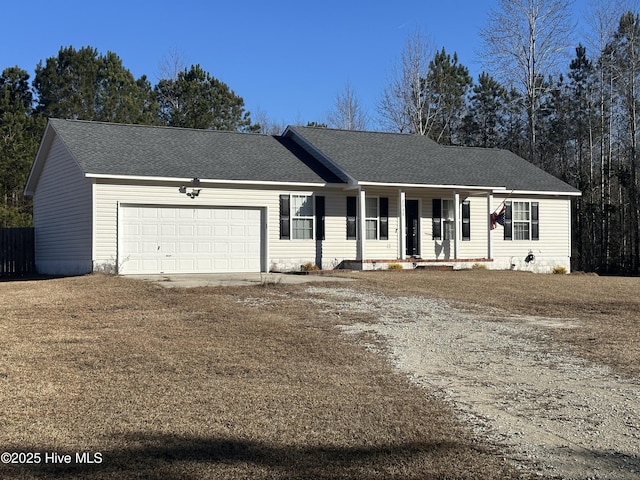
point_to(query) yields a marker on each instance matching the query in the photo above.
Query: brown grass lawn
(190, 384)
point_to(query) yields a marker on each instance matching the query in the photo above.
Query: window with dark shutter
(319, 217)
(352, 212)
(508, 221)
(285, 227)
(436, 230)
(466, 220)
(384, 218)
(535, 231)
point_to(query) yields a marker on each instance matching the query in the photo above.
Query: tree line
(84, 84)
(575, 116)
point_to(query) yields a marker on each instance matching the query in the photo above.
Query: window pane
(302, 228)
(520, 230)
(372, 229)
(447, 209)
(520, 211)
(371, 207)
(302, 206)
(449, 231)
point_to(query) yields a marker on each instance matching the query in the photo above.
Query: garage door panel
(159, 239)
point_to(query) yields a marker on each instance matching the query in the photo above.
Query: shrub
(309, 267)
(394, 266)
(559, 270)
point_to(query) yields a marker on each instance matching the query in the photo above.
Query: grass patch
(203, 383)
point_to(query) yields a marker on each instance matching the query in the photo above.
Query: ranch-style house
(134, 199)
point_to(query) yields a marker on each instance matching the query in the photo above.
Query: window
(297, 217)
(448, 226)
(521, 221)
(376, 218)
(371, 213)
(443, 219)
(301, 217)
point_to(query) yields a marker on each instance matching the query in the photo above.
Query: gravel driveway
(551, 412)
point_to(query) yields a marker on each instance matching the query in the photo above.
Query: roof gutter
(203, 180)
(491, 189)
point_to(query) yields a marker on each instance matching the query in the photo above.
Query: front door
(413, 228)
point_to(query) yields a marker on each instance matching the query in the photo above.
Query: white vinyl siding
(476, 246)
(554, 230)
(283, 254)
(62, 213)
(386, 249)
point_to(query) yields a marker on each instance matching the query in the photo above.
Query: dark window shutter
(320, 217)
(384, 218)
(466, 220)
(535, 230)
(284, 218)
(352, 212)
(436, 231)
(508, 221)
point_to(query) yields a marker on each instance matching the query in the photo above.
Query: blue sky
(287, 58)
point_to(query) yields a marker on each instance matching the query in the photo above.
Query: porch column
(362, 225)
(489, 236)
(456, 227)
(402, 226)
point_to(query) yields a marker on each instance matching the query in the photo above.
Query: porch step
(441, 268)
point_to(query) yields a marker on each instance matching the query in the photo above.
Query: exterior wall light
(193, 192)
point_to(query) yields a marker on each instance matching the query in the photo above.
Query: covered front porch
(424, 226)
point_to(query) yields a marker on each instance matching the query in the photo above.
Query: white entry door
(169, 239)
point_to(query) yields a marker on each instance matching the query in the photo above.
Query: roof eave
(38, 161)
(430, 186)
(145, 178)
(489, 189)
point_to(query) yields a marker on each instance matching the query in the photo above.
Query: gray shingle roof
(147, 151)
(137, 150)
(413, 159)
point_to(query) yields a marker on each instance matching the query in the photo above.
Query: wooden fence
(17, 252)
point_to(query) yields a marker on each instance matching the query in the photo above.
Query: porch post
(456, 227)
(362, 226)
(402, 226)
(489, 236)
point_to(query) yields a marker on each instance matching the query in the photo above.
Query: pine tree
(487, 113)
(83, 85)
(20, 133)
(449, 82)
(197, 100)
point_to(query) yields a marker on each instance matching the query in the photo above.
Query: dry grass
(194, 384)
(606, 308)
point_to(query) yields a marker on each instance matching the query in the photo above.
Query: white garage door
(158, 239)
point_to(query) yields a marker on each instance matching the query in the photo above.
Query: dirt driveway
(556, 414)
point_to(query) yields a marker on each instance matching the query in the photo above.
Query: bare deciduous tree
(405, 106)
(267, 125)
(347, 113)
(525, 40)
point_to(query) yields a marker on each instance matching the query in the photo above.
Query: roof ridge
(158, 127)
(355, 131)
